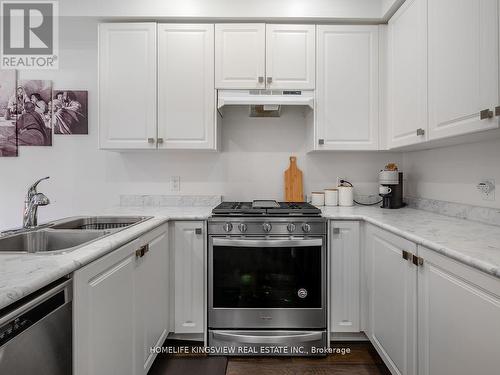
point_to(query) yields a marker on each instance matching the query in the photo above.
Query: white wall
(250, 165)
(452, 173)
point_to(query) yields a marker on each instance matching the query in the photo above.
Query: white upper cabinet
(186, 92)
(260, 56)
(127, 86)
(240, 56)
(463, 66)
(407, 75)
(290, 56)
(347, 88)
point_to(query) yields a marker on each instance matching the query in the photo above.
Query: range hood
(266, 98)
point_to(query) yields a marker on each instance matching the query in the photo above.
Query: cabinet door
(152, 299)
(463, 65)
(127, 86)
(186, 92)
(240, 55)
(345, 276)
(459, 312)
(407, 75)
(290, 56)
(347, 88)
(393, 301)
(189, 253)
(104, 315)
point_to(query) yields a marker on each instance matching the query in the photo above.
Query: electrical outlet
(340, 179)
(487, 189)
(175, 183)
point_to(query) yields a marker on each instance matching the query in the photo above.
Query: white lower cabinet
(152, 299)
(455, 307)
(344, 259)
(189, 246)
(120, 308)
(392, 283)
(458, 316)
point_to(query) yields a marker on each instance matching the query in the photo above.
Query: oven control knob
(291, 227)
(266, 227)
(306, 227)
(242, 227)
(228, 227)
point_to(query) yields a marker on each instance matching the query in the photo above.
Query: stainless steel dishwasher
(36, 333)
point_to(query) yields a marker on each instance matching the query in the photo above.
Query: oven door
(267, 282)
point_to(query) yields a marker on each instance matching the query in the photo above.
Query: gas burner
(266, 208)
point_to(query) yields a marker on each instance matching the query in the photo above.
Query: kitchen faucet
(31, 203)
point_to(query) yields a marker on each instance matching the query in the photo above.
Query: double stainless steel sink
(66, 234)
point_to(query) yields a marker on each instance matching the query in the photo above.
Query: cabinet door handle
(139, 253)
(160, 141)
(261, 79)
(321, 141)
(417, 260)
(269, 80)
(486, 114)
(420, 131)
(405, 254)
(497, 111)
(198, 231)
(151, 140)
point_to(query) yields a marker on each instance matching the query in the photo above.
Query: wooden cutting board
(293, 182)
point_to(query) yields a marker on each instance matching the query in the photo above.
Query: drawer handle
(151, 140)
(261, 79)
(142, 251)
(269, 80)
(417, 261)
(485, 114)
(321, 141)
(198, 231)
(497, 111)
(405, 254)
(420, 131)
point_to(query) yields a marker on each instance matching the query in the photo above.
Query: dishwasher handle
(25, 307)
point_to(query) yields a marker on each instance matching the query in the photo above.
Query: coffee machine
(391, 188)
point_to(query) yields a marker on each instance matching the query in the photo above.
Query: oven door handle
(267, 242)
(261, 339)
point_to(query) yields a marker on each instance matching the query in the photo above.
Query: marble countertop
(469, 242)
(22, 274)
(472, 243)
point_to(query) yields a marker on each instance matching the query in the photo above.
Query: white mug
(318, 199)
(384, 190)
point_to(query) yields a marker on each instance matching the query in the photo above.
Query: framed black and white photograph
(8, 108)
(34, 116)
(70, 112)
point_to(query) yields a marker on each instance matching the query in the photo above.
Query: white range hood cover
(265, 97)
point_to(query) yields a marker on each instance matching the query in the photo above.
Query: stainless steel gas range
(267, 278)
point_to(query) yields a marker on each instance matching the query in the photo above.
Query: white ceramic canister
(346, 196)
(318, 198)
(331, 197)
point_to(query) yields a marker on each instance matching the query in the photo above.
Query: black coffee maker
(391, 189)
